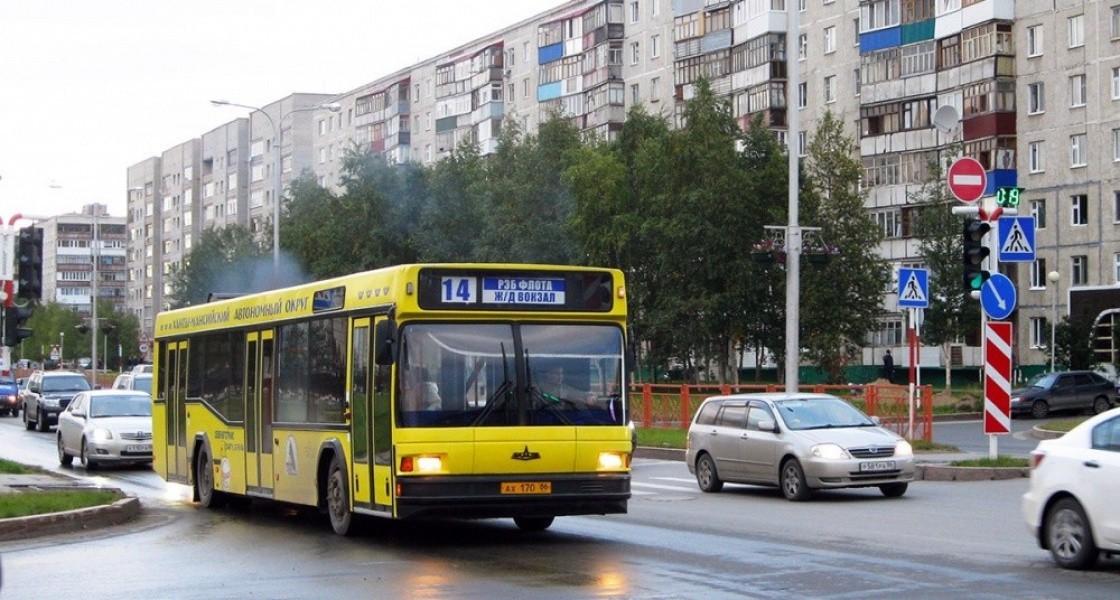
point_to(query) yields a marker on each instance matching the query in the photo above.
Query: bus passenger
(419, 392)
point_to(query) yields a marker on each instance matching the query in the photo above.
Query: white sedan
(1070, 507)
(106, 427)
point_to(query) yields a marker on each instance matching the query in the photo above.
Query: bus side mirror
(384, 340)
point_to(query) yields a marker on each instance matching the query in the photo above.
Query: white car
(797, 442)
(1070, 507)
(106, 427)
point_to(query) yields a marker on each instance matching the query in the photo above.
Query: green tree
(225, 260)
(1073, 341)
(456, 208)
(952, 315)
(838, 315)
(46, 323)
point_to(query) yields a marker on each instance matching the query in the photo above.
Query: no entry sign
(967, 179)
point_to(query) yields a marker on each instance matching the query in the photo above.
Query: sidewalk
(121, 511)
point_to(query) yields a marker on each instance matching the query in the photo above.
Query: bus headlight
(611, 461)
(422, 464)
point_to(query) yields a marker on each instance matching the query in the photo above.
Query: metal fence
(670, 406)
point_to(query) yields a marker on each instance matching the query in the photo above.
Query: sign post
(997, 381)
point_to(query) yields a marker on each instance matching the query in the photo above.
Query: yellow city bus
(407, 392)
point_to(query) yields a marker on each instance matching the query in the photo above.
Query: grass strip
(25, 503)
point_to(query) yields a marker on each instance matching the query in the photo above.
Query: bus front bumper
(482, 497)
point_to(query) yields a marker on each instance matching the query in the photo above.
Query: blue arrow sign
(913, 288)
(1016, 239)
(998, 297)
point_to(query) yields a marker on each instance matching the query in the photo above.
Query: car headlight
(903, 448)
(102, 435)
(829, 452)
(1016, 399)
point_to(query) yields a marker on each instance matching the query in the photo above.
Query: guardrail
(669, 406)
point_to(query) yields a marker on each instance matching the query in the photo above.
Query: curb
(93, 517)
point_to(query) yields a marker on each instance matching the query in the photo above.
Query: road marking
(675, 488)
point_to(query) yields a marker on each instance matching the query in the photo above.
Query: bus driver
(553, 385)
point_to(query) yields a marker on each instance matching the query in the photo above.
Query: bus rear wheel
(533, 523)
(338, 498)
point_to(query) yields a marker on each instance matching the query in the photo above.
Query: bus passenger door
(358, 400)
(259, 370)
(381, 421)
(174, 373)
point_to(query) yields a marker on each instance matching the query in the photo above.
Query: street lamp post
(61, 346)
(277, 157)
(1053, 277)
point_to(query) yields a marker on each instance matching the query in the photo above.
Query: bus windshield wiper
(499, 396)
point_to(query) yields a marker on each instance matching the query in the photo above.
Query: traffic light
(14, 332)
(29, 255)
(975, 251)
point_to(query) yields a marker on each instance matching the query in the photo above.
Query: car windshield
(822, 412)
(142, 384)
(65, 383)
(120, 406)
(1042, 380)
(500, 374)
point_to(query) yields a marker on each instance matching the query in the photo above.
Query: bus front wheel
(338, 498)
(208, 497)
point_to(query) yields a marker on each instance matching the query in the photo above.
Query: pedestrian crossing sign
(1016, 239)
(913, 288)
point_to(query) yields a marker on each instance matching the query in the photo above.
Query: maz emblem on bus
(526, 455)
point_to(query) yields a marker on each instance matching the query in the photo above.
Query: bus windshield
(509, 374)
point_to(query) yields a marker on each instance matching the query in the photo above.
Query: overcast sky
(89, 88)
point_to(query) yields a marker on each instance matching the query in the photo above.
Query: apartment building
(79, 247)
(1036, 86)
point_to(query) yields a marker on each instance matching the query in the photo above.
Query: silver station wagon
(798, 442)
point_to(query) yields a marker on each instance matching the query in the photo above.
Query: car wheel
(208, 497)
(338, 498)
(63, 458)
(893, 490)
(27, 424)
(1039, 409)
(533, 523)
(41, 422)
(706, 476)
(1069, 536)
(794, 486)
(1100, 405)
(87, 462)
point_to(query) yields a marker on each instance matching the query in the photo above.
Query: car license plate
(876, 465)
(527, 487)
(138, 448)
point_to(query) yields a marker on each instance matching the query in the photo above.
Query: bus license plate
(877, 465)
(527, 487)
(138, 448)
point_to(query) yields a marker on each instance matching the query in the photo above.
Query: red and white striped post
(997, 381)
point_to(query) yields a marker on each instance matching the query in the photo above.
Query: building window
(1116, 145)
(655, 46)
(855, 74)
(802, 143)
(855, 25)
(1077, 91)
(830, 89)
(1034, 40)
(1116, 83)
(1038, 332)
(654, 84)
(1038, 211)
(634, 12)
(1079, 270)
(1077, 31)
(1115, 207)
(1079, 209)
(635, 94)
(829, 40)
(1114, 27)
(1038, 274)
(635, 53)
(1034, 152)
(1036, 93)
(890, 221)
(802, 46)
(1077, 149)
(802, 94)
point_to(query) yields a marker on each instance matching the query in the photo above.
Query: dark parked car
(47, 394)
(9, 396)
(1071, 390)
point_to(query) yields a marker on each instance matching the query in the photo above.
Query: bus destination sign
(522, 290)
